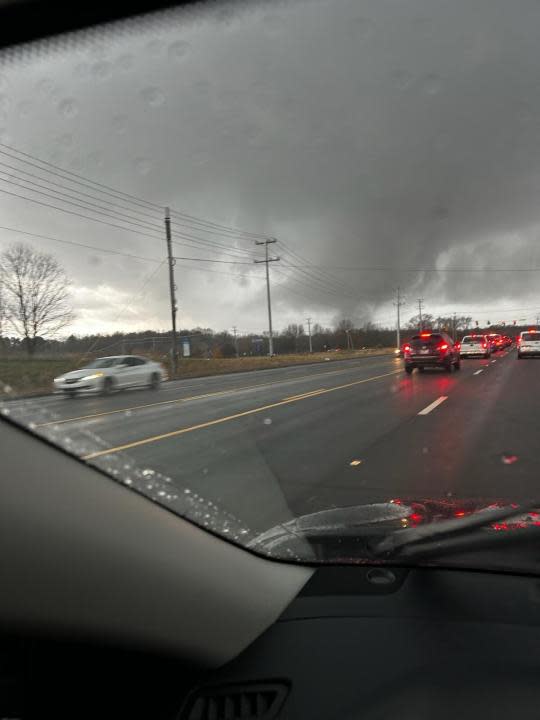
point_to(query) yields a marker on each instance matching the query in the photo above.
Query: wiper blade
(449, 536)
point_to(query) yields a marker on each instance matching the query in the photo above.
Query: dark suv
(431, 350)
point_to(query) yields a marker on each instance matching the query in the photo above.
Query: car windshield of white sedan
(240, 244)
(103, 363)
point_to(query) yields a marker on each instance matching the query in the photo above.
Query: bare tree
(35, 296)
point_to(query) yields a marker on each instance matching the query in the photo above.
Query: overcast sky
(373, 139)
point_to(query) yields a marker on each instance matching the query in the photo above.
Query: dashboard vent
(257, 701)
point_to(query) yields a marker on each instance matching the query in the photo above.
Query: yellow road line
(306, 394)
(218, 421)
(192, 397)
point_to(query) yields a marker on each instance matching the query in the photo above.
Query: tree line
(35, 308)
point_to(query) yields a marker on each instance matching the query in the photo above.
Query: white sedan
(111, 373)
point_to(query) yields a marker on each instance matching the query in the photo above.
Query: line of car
(438, 349)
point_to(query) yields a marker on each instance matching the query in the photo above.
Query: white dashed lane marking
(433, 405)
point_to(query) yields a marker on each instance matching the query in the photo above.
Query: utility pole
(308, 320)
(420, 303)
(172, 290)
(399, 302)
(267, 260)
(454, 327)
(235, 341)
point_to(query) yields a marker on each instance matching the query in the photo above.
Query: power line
(226, 232)
(83, 180)
(113, 192)
(72, 212)
(424, 269)
(194, 243)
(245, 233)
(66, 187)
(87, 205)
(79, 244)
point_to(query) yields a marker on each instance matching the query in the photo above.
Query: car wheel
(520, 356)
(107, 386)
(155, 381)
(457, 365)
(408, 370)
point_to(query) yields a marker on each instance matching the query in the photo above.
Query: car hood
(342, 534)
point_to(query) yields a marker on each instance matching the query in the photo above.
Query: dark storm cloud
(372, 134)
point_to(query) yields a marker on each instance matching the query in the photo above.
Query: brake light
(458, 346)
(424, 334)
(407, 348)
(484, 345)
(443, 346)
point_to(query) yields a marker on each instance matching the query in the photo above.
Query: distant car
(496, 341)
(107, 374)
(400, 351)
(429, 349)
(528, 344)
(475, 345)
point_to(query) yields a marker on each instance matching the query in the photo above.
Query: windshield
(103, 363)
(263, 201)
(531, 337)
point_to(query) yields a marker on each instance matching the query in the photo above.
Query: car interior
(112, 606)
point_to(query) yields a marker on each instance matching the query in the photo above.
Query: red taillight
(458, 346)
(425, 334)
(484, 345)
(460, 513)
(443, 346)
(407, 348)
(415, 517)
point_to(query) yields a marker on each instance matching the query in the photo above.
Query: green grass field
(34, 376)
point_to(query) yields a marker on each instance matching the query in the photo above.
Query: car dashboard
(357, 642)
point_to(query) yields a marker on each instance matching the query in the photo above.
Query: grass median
(22, 376)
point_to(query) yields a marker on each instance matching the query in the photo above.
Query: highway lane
(273, 444)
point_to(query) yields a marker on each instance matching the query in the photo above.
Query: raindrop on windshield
(119, 123)
(101, 70)
(178, 49)
(24, 109)
(124, 62)
(153, 96)
(153, 47)
(81, 70)
(66, 140)
(143, 166)
(432, 85)
(68, 108)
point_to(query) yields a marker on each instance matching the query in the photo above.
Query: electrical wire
(79, 244)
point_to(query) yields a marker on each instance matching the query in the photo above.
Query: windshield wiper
(453, 536)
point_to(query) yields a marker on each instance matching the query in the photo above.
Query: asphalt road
(270, 445)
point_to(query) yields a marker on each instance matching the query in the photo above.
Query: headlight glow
(93, 376)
